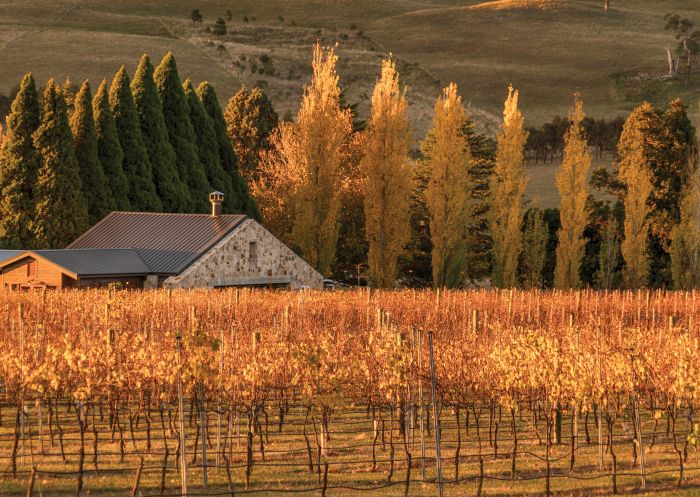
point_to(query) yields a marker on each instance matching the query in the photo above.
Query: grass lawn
(286, 462)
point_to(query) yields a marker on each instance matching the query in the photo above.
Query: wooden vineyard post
(30, 484)
(436, 424)
(638, 424)
(600, 410)
(420, 409)
(181, 408)
(137, 480)
(203, 423)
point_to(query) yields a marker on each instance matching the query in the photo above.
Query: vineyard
(242, 392)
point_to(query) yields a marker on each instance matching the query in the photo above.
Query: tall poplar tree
(60, 213)
(172, 192)
(19, 165)
(109, 150)
(685, 242)
(633, 172)
(449, 160)
(180, 132)
(322, 129)
(207, 145)
(242, 201)
(572, 183)
(94, 182)
(387, 167)
(507, 186)
(137, 167)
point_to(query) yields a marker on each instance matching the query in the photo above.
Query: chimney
(216, 199)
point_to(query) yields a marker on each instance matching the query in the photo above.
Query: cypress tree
(18, 168)
(171, 190)
(207, 146)
(182, 138)
(94, 182)
(109, 150)
(137, 166)
(60, 213)
(242, 201)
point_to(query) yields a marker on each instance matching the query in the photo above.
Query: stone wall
(229, 263)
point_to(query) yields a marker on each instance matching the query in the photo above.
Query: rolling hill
(547, 48)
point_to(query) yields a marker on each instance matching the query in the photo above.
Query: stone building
(152, 250)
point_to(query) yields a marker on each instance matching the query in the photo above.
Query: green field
(549, 52)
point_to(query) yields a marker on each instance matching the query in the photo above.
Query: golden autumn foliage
(387, 168)
(571, 182)
(448, 159)
(685, 241)
(633, 171)
(300, 178)
(245, 346)
(507, 187)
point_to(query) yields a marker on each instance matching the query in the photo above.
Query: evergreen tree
(507, 187)
(250, 120)
(172, 192)
(69, 91)
(60, 208)
(241, 201)
(535, 237)
(109, 150)
(19, 165)
(387, 168)
(608, 255)
(573, 191)
(137, 167)
(94, 182)
(448, 197)
(207, 145)
(180, 132)
(633, 171)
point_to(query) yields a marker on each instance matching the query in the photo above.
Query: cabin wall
(18, 275)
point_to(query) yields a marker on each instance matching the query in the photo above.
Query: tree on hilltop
(196, 17)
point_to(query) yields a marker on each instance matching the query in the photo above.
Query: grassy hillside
(547, 48)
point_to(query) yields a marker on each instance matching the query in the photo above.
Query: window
(32, 269)
(253, 254)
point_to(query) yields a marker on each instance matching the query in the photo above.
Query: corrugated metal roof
(98, 262)
(167, 243)
(8, 254)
